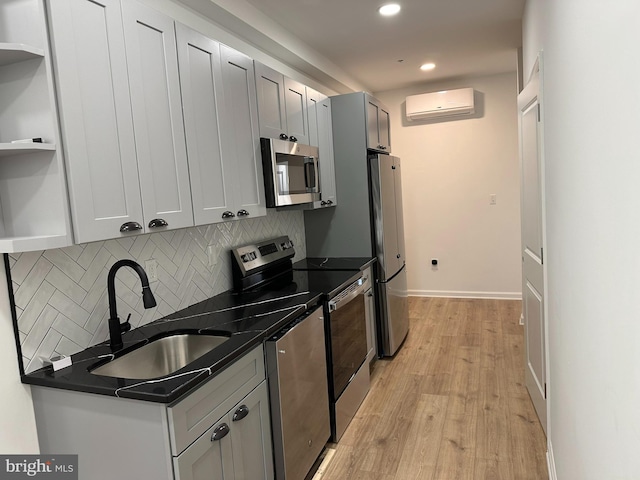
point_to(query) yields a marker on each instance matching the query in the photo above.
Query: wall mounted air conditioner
(440, 104)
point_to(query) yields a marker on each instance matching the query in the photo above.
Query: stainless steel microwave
(291, 172)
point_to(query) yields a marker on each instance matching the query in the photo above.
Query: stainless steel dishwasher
(297, 373)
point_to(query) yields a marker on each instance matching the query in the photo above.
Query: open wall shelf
(11, 149)
(18, 52)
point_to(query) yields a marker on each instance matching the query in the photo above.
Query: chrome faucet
(116, 329)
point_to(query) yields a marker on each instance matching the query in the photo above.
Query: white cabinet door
(152, 62)
(313, 99)
(208, 457)
(378, 126)
(325, 149)
(240, 135)
(93, 92)
(212, 178)
(282, 106)
(251, 436)
(321, 136)
(295, 101)
(271, 102)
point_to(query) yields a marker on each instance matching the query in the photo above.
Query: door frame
(535, 81)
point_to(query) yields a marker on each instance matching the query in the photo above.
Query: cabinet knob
(228, 214)
(284, 136)
(220, 432)
(243, 213)
(293, 139)
(240, 413)
(323, 203)
(329, 202)
(130, 227)
(158, 222)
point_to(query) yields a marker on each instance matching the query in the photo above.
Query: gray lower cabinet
(238, 446)
(132, 439)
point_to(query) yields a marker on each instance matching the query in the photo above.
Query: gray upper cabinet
(378, 126)
(321, 135)
(221, 123)
(295, 102)
(212, 181)
(95, 113)
(123, 131)
(240, 132)
(282, 106)
(157, 117)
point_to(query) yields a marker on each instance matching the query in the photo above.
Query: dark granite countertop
(248, 318)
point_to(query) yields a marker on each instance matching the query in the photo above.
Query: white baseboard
(452, 294)
(551, 463)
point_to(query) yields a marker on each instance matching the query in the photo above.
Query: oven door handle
(348, 294)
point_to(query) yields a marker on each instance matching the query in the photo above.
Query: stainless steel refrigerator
(388, 228)
(367, 220)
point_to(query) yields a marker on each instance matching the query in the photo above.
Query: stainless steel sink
(161, 357)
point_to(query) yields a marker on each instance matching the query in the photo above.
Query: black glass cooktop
(333, 263)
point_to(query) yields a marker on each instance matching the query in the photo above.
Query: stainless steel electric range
(312, 401)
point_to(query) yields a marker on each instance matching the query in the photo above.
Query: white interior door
(533, 278)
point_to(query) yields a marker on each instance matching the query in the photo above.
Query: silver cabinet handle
(220, 432)
(243, 213)
(228, 214)
(240, 413)
(130, 227)
(158, 222)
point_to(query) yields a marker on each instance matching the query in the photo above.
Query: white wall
(450, 168)
(17, 420)
(592, 143)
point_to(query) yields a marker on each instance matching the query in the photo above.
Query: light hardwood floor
(451, 405)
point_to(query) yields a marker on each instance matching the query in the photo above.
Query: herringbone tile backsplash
(61, 295)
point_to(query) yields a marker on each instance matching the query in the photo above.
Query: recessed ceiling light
(389, 9)
(427, 66)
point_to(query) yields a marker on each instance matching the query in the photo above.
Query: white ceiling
(462, 37)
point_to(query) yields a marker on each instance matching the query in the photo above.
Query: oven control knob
(247, 257)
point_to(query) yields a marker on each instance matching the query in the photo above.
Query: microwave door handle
(310, 167)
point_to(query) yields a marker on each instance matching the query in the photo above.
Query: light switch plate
(151, 267)
(212, 253)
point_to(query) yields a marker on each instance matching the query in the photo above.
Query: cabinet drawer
(192, 416)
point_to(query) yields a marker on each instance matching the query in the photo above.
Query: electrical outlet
(151, 267)
(492, 199)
